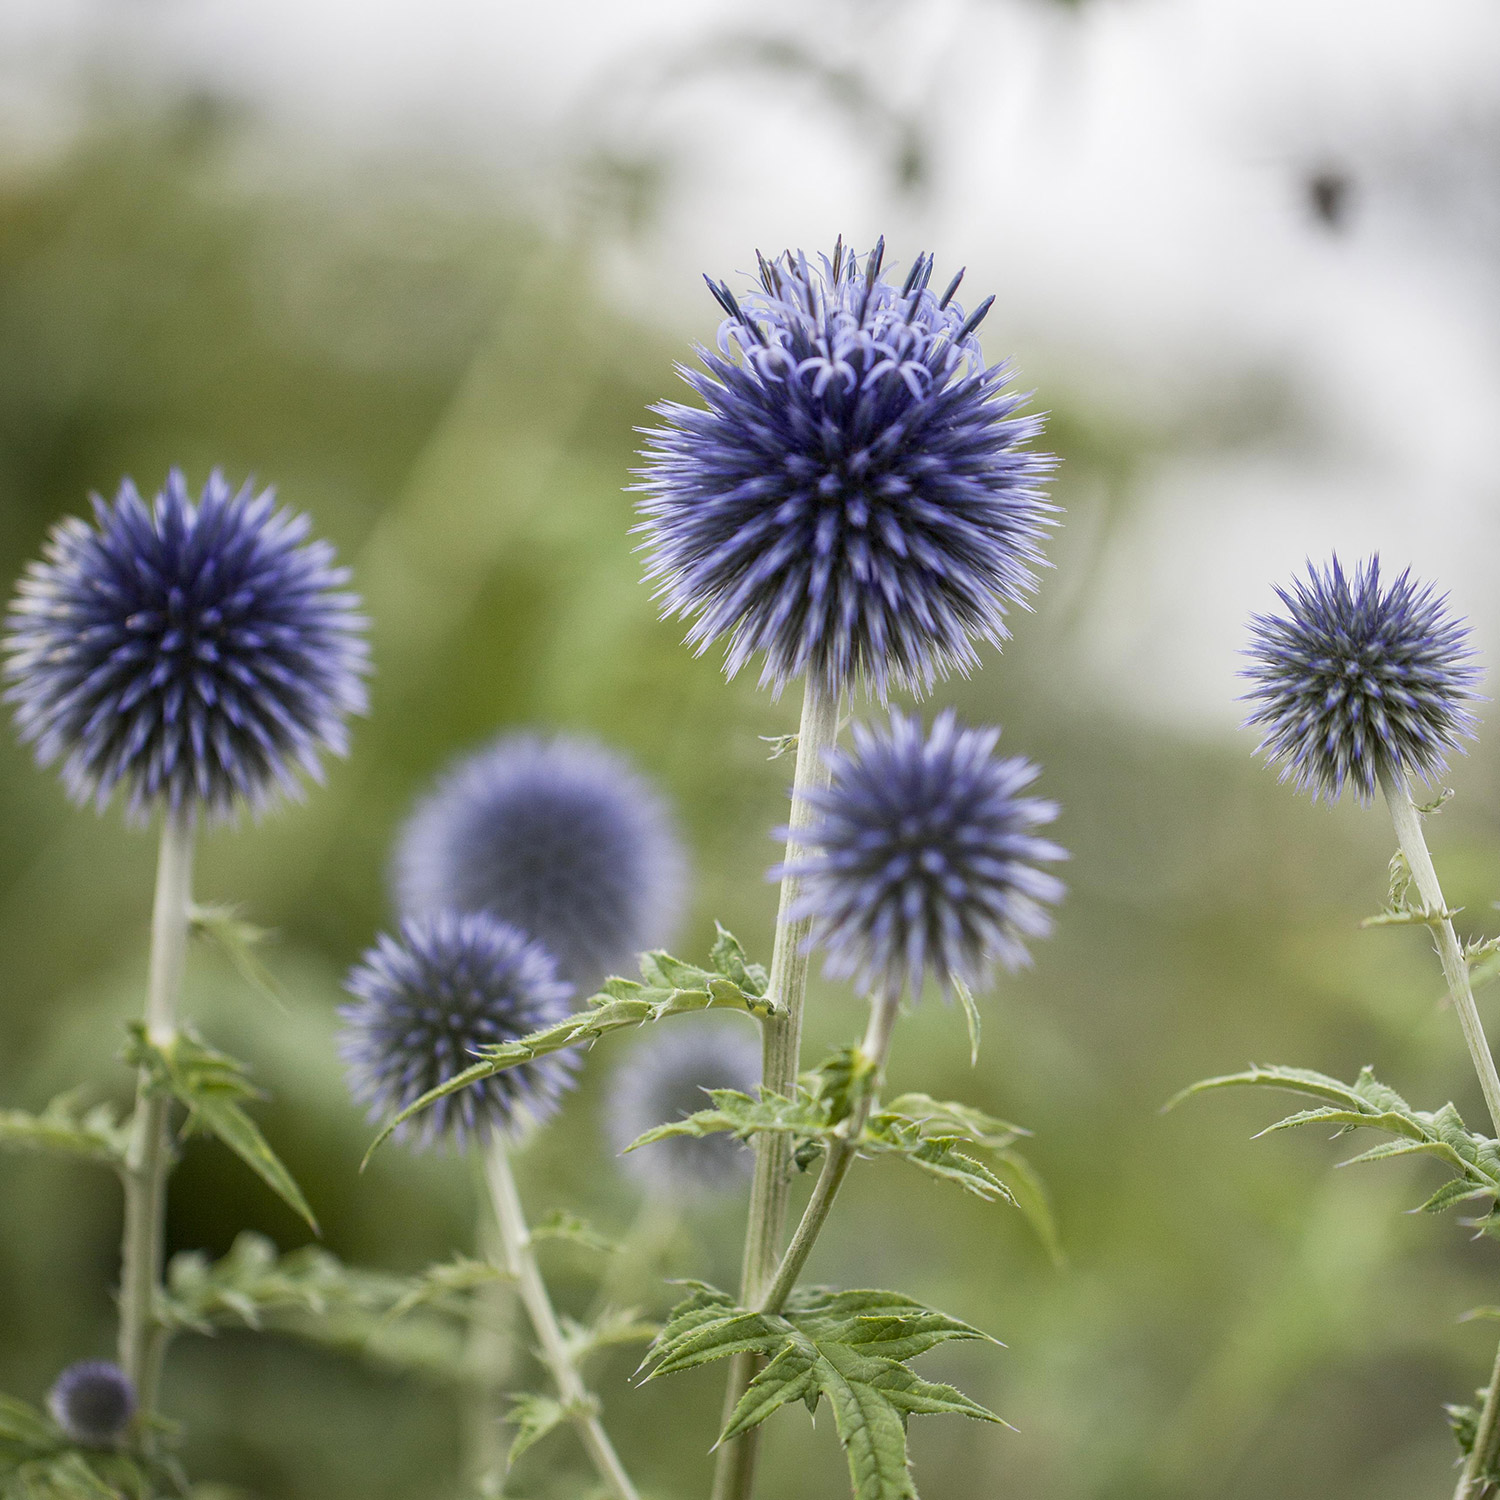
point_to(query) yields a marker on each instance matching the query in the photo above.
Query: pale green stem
(148, 1155)
(520, 1255)
(1485, 1455)
(781, 1052)
(876, 1050)
(487, 1361)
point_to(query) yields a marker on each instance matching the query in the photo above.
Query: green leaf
(1474, 1160)
(446, 1280)
(560, 1225)
(225, 926)
(971, 1018)
(23, 1426)
(668, 987)
(533, 1417)
(614, 1327)
(851, 1347)
(95, 1134)
(1029, 1194)
(212, 1085)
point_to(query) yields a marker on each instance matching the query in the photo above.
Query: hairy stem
(875, 1049)
(1484, 1457)
(520, 1257)
(734, 1472)
(149, 1154)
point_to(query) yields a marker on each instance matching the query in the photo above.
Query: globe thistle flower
(922, 858)
(1359, 682)
(197, 653)
(853, 499)
(559, 837)
(93, 1402)
(427, 1000)
(665, 1078)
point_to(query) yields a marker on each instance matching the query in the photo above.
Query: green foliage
(64, 1129)
(561, 1225)
(613, 1328)
(851, 1347)
(448, 1284)
(1474, 1160)
(37, 1462)
(533, 1416)
(225, 926)
(667, 987)
(212, 1086)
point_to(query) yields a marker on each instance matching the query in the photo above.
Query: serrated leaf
(237, 939)
(533, 1417)
(848, 1347)
(671, 987)
(1029, 1194)
(729, 960)
(1369, 1105)
(612, 1329)
(560, 1225)
(971, 1017)
(212, 1085)
(95, 1134)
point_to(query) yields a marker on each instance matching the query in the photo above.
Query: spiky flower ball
(425, 1001)
(923, 858)
(197, 653)
(1359, 681)
(559, 837)
(853, 499)
(665, 1078)
(93, 1402)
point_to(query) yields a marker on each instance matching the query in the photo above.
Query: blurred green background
(438, 382)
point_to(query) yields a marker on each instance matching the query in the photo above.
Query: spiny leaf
(963, 1119)
(671, 987)
(226, 927)
(212, 1085)
(850, 1347)
(95, 1134)
(1368, 1104)
(533, 1417)
(559, 1225)
(971, 1018)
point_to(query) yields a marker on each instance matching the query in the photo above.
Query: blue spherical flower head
(425, 1001)
(93, 1402)
(853, 499)
(1359, 682)
(559, 837)
(922, 858)
(195, 653)
(665, 1078)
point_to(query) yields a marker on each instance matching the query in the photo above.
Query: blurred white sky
(1127, 174)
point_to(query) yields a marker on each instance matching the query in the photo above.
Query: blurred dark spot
(1330, 197)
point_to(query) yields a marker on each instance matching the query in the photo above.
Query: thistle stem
(579, 1403)
(781, 1051)
(148, 1156)
(875, 1050)
(486, 1361)
(1484, 1457)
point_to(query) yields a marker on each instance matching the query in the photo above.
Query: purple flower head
(1358, 682)
(852, 499)
(560, 838)
(425, 1001)
(201, 653)
(93, 1402)
(922, 858)
(665, 1078)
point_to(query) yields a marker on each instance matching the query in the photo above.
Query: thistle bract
(922, 858)
(559, 837)
(93, 1402)
(852, 499)
(196, 653)
(426, 1000)
(1359, 682)
(665, 1078)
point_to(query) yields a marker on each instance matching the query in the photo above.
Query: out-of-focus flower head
(93, 1402)
(197, 653)
(853, 499)
(426, 1000)
(558, 837)
(1359, 682)
(665, 1078)
(922, 859)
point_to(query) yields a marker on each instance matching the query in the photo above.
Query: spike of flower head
(1360, 681)
(425, 1001)
(559, 837)
(922, 858)
(93, 1402)
(197, 653)
(852, 499)
(665, 1078)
